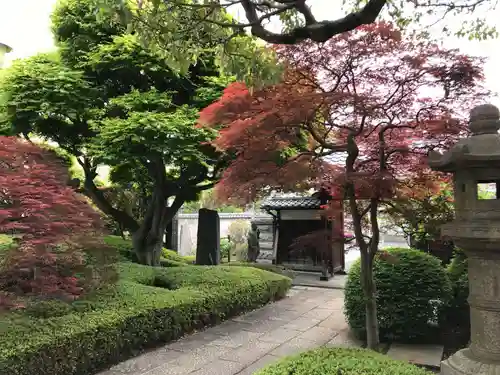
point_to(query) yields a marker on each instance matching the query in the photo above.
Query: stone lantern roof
(481, 149)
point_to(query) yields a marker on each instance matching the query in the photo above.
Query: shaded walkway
(307, 318)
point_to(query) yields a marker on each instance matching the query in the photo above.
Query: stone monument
(208, 238)
(475, 164)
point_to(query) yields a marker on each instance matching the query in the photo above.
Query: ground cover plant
(341, 361)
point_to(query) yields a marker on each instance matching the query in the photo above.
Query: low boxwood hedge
(126, 250)
(281, 270)
(408, 281)
(147, 306)
(340, 361)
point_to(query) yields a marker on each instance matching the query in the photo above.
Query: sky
(25, 26)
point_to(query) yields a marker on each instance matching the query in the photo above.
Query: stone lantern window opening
(489, 188)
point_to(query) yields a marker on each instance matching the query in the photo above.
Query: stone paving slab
(345, 339)
(311, 279)
(426, 355)
(261, 363)
(309, 317)
(293, 346)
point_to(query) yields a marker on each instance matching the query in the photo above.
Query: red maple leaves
(363, 108)
(45, 217)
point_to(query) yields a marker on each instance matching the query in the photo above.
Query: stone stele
(475, 161)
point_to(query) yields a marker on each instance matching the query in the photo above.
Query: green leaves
(406, 280)
(42, 95)
(145, 125)
(182, 33)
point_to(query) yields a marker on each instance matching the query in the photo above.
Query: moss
(132, 315)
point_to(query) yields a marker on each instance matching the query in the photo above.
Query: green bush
(164, 262)
(408, 281)
(173, 256)
(455, 314)
(132, 315)
(124, 247)
(334, 361)
(48, 309)
(279, 269)
(6, 242)
(225, 248)
(126, 250)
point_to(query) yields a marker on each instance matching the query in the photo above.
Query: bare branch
(317, 31)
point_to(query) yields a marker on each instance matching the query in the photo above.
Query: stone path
(312, 279)
(307, 318)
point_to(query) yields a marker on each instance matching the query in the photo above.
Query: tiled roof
(280, 203)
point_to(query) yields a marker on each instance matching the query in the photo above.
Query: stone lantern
(475, 164)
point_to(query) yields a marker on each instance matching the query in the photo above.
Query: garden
(143, 109)
(145, 307)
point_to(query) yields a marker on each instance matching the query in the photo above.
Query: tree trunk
(367, 251)
(369, 291)
(92, 191)
(148, 248)
(148, 239)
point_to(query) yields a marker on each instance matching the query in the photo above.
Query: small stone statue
(253, 243)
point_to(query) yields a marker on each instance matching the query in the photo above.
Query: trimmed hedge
(408, 281)
(147, 306)
(333, 361)
(126, 250)
(279, 269)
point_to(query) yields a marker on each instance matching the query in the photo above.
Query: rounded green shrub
(409, 284)
(335, 361)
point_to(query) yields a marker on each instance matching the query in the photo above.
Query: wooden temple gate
(303, 238)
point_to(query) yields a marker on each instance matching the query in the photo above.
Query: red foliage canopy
(364, 108)
(40, 211)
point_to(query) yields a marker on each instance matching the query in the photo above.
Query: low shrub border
(146, 307)
(281, 270)
(333, 361)
(126, 251)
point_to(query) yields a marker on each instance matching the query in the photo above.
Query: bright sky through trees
(25, 26)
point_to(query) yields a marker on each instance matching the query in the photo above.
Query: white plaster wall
(188, 228)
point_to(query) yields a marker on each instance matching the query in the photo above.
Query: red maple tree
(356, 115)
(47, 220)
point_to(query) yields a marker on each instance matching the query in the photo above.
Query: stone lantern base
(463, 363)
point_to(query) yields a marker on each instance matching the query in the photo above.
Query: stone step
(423, 355)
